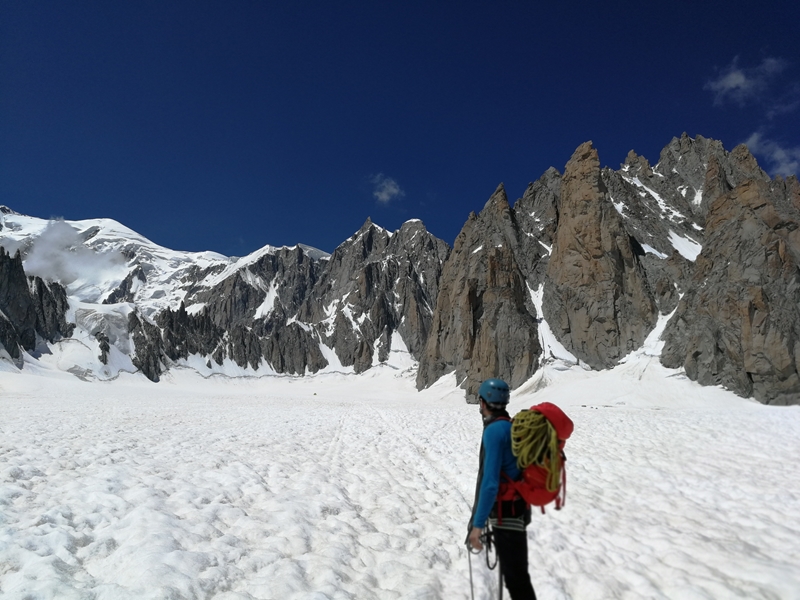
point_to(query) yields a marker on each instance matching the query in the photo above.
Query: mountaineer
(507, 518)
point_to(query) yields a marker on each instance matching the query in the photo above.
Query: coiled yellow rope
(534, 441)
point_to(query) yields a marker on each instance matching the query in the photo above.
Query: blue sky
(230, 125)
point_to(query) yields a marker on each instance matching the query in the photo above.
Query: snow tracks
(362, 490)
(232, 500)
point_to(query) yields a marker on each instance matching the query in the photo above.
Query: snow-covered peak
(93, 258)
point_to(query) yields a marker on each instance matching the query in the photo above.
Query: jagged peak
(314, 253)
(584, 151)
(413, 234)
(412, 225)
(498, 199)
(367, 235)
(636, 163)
(635, 159)
(687, 141)
(742, 151)
(16, 256)
(584, 160)
(550, 173)
(368, 225)
(742, 155)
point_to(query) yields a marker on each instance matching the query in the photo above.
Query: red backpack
(544, 478)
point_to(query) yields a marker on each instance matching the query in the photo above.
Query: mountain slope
(278, 310)
(581, 268)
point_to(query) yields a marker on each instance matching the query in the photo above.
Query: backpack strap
(504, 490)
(508, 488)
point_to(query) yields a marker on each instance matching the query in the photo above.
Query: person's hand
(475, 538)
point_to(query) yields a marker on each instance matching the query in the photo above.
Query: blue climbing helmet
(494, 391)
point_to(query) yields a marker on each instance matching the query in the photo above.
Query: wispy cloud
(772, 94)
(744, 84)
(783, 161)
(786, 103)
(59, 254)
(385, 189)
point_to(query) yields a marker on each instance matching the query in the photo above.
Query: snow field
(360, 487)
(677, 504)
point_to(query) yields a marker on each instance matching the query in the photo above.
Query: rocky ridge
(595, 256)
(279, 310)
(738, 325)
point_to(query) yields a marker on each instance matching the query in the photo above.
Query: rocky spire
(605, 246)
(596, 297)
(484, 324)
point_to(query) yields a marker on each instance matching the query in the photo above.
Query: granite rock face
(16, 304)
(609, 251)
(184, 334)
(596, 298)
(375, 284)
(704, 241)
(664, 207)
(29, 307)
(278, 310)
(699, 170)
(536, 216)
(148, 354)
(125, 292)
(484, 324)
(739, 323)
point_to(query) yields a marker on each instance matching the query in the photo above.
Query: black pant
(512, 550)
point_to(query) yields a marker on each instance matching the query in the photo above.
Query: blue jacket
(496, 458)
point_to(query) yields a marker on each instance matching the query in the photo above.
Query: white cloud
(744, 84)
(783, 161)
(386, 189)
(59, 254)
